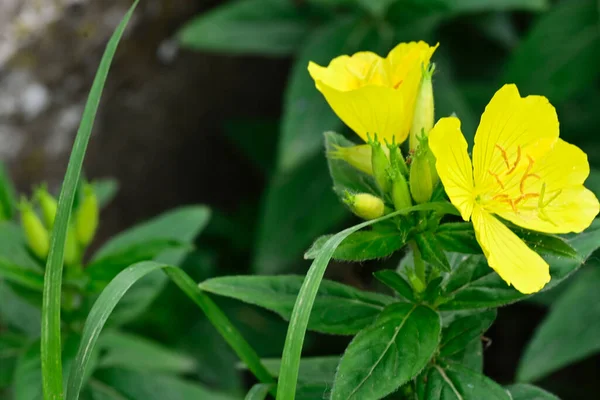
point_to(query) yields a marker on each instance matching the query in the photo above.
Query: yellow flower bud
(48, 205)
(365, 206)
(400, 192)
(423, 176)
(36, 234)
(423, 118)
(357, 156)
(381, 166)
(86, 217)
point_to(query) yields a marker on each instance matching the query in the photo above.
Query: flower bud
(423, 118)
(423, 175)
(36, 233)
(364, 205)
(48, 205)
(397, 159)
(381, 166)
(357, 156)
(400, 192)
(86, 217)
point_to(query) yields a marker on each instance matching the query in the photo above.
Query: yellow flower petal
(453, 164)
(554, 199)
(512, 131)
(370, 110)
(516, 263)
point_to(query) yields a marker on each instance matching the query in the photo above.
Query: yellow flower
(521, 172)
(375, 95)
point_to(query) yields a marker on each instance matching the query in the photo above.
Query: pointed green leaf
(462, 331)
(432, 251)
(339, 309)
(471, 356)
(361, 246)
(523, 391)
(387, 354)
(396, 282)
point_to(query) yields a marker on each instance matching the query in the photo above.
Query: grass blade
(109, 298)
(290, 362)
(259, 392)
(50, 340)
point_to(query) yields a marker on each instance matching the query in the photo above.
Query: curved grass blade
(115, 290)
(290, 362)
(259, 391)
(50, 340)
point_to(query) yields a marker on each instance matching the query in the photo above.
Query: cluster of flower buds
(80, 232)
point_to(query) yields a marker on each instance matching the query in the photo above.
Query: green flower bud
(71, 255)
(400, 192)
(423, 175)
(36, 233)
(48, 205)
(381, 166)
(86, 217)
(357, 156)
(423, 118)
(397, 159)
(364, 205)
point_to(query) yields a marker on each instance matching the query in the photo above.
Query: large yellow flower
(375, 95)
(521, 172)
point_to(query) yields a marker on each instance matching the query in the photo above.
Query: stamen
(525, 197)
(397, 85)
(554, 196)
(527, 175)
(504, 156)
(516, 161)
(497, 179)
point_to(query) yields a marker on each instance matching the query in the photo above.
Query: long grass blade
(258, 392)
(290, 362)
(115, 290)
(50, 340)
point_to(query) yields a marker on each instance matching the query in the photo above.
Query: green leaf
(432, 251)
(568, 66)
(25, 277)
(312, 369)
(523, 391)
(13, 247)
(299, 205)
(262, 27)
(473, 284)
(471, 356)
(338, 309)
(106, 190)
(138, 385)
(102, 270)
(305, 112)
(8, 200)
(114, 292)
(180, 225)
(345, 177)
(50, 339)
(299, 320)
(455, 382)
(11, 347)
(464, 6)
(16, 312)
(570, 331)
(395, 281)
(260, 391)
(545, 244)
(361, 246)
(462, 331)
(387, 354)
(138, 353)
(458, 237)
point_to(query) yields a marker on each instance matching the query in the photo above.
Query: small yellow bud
(365, 206)
(381, 166)
(423, 175)
(36, 234)
(423, 118)
(48, 205)
(86, 217)
(400, 192)
(357, 156)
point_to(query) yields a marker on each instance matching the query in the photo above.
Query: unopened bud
(400, 192)
(86, 217)
(357, 156)
(365, 206)
(423, 175)
(36, 233)
(423, 118)
(381, 166)
(397, 159)
(48, 206)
